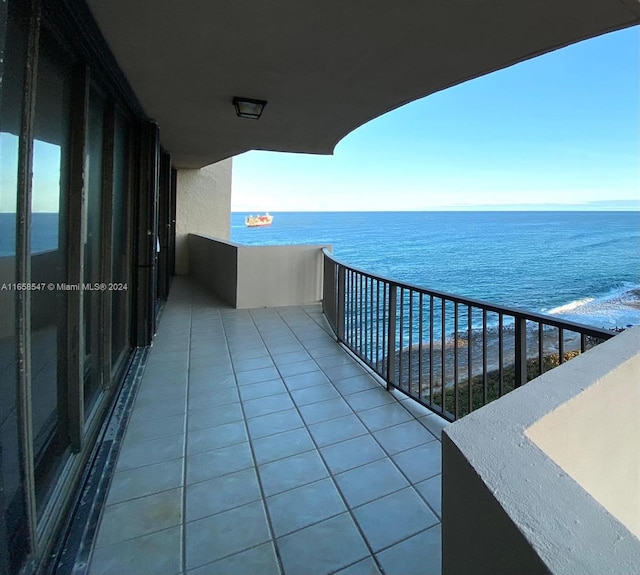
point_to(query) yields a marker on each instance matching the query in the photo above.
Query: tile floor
(258, 446)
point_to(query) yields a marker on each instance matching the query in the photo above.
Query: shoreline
(550, 347)
(631, 299)
(617, 306)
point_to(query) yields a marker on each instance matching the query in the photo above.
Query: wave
(619, 307)
(570, 306)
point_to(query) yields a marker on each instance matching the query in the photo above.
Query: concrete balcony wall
(545, 480)
(214, 264)
(248, 277)
(595, 437)
(203, 206)
(45, 306)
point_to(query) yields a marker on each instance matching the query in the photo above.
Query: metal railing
(450, 353)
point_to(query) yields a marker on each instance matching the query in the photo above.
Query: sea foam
(570, 306)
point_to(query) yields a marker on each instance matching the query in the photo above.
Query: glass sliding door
(48, 257)
(67, 204)
(164, 227)
(14, 529)
(121, 245)
(92, 239)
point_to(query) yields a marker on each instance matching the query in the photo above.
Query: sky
(561, 131)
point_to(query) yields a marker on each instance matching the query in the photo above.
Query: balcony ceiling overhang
(325, 68)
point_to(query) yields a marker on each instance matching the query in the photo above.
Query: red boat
(258, 221)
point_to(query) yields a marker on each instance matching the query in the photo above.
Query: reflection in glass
(14, 537)
(121, 243)
(92, 248)
(48, 265)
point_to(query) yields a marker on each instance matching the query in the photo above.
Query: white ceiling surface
(325, 67)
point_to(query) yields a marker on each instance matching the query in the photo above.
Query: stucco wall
(203, 206)
(595, 438)
(44, 304)
(273, 276)
(215, 265)
(257, 276)
(502, 493)
(478, 535)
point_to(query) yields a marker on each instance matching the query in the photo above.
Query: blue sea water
(44, 233)
(581, 266)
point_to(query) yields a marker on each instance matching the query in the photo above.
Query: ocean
(581, 266)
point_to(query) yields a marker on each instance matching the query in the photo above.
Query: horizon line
(445, 209)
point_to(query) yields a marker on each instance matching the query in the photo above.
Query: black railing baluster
(500, 356)
(470, 357)
(354, 308)
(420, 342)
(443, 381)
(377, 325)
(372, 323)
(352, 312)
(391, 336)
(358, 323)
(340, 308)
(401, 336)
(409, 362)
(520, 351)
(431, 349)
(367, 304)
(347, 306)
(385, 322)
(363, 316)
(347, 316)
(484, 358)
(540, 349)
(455, 359)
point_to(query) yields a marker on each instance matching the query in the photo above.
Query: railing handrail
(601, 333)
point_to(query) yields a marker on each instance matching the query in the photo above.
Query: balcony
(257, 444)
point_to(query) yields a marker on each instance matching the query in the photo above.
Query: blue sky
(560, 131)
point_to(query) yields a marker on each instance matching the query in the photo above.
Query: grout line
(250, 322)
(183, 551)
(255, 467)
(330, 475)
(411, 484)
(434, 526)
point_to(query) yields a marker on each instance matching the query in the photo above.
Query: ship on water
(258, 221)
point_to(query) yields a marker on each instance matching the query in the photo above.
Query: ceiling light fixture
(248, 107)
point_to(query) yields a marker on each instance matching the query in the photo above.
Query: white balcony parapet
(248, 277)
(547, 478)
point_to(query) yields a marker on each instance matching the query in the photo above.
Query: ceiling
(325, 68)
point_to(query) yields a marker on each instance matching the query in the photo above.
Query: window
(50, 184)
(14, 530)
